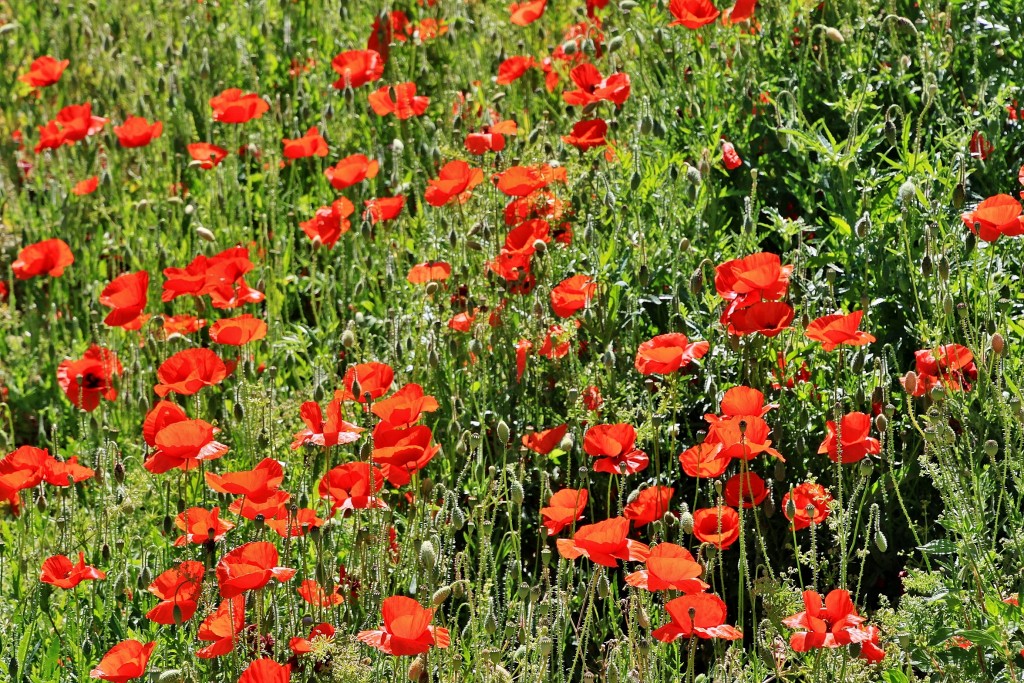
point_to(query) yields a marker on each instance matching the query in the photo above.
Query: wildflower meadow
(478, 341)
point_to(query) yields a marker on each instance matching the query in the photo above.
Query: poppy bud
(490, 623)
(603, 589)
(834, 35)
(502, 431)
(458, 518)
(177, 615)
(569, 48)
(418, 669)
(863, 225)
(937, 393)
(516, 492)
(768, 506)
(428, 556)
(790, 508)
(926, 265)
(105, 552)
(697, 281)
(998, 344)
(779, 473)
(205, 234)
(910, 382)
(545, 646)
(357, 388)
(991, 448)
(686, 521)
(881, 423)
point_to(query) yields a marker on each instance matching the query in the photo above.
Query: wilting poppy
(614, 447)
(238, 331)
(669, 567)
(404, 104)
(136, 131)
(402, 451)
(352, 486)
(810, 505)
(188, 371)
(747, 486)
(208, 155)
(603, 543)
(312, 144)
(123, 662)
(701, 615)
(183, 445)
(382, 209)
(127, 295)
(564, 508)
(405, 406)
(86, 187)
(319, 633)
(86, 380)
(50, 256)
(719, 526)
(250, 567)
(667, 353)
(592, 87)
(178, 589)
(222, 628)
(587, 134)
(357, 67)
(692, 13)
(544, 442)
(649, 505)
(44, 71)
(257, 484)
(62, 572)
(314, 594)
(513, 68)
(572, 294)
(351, 170)
(995, 217)
(201, 525)
(455, 180)
(525, 13)
(372, 378)
(429, 271)
(333, 431)
(406, 629)
(266, 670)
(838, 329)
(234, 106)
(850, 439)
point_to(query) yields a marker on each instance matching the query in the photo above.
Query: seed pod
(686, 522)
(991, 448)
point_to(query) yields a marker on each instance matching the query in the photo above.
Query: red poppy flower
(461, 322)
(72, 124)
(86, 187)
(592, 399)
(525, 13)
(838, 329)
(333, 431)
(604, 543)
(404, 104)
(208, 155)
(266, 670)
(400, 452)
(767, 317)
(522, 181)
(44, 71)
(544, 442)
(329, 223)
(666, 353)
(572, 294)
(951, 366)
(587, 134)
(222, 628)
(275, 506)
(592, 87)
(314, 594)
(63, 474)
(178, 589)
(257, 484)
(491, 138)
(319, 633)
(250, 567)
(719, 526)
(832, 622)
(740, 402)
(429, 271)
(50, 256)
(758, 277)
(669, 567)
(232, 106)
(188, 371)
(351, 170)
(741, 11)
(312, 144)
(357, 67)
(614, 447)
(123, 662)
(183, 445)
(811, 503)
(62, 572)
(980, 147)
(201, 525)
(701, 615)
(164, 413)
(649, 505)
(127, 295)
(513, 68)
(563, 509)
(405, 406)
(523, 348)
(747, 486)
(744, 437)
(238, 331)
(86, 380)
(136, 131)
(995, 217)
(383, 209)
(705, 460)
(374, 379)
(182, 324)
(406, 629)
(352, 486)
(288, 525)
(730, 158)
(455, 180)
(850, 438)
(692, 13)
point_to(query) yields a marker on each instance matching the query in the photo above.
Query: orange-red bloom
(400, 452)
(669, 567)
(838, 329)
(127, 296)
(312, 144)
(614, 447)
(587, 134)
(352, 486)
(951, 366)
(603, 543)
(183, 445)
(405, 406)
(692, 13)
(572, 294)
(256, 484)
(382, 209)
(86, 380)
(178, 589)
(50, 256)
(455, 180)
(544, 442)
(832, 622)
(333, 431)
(357, 67)
(373, 378)
(250, 567)
(564, 508)
(701, 615)
(234, 106)
(527, 12)
(649, 505)
(513, 68)
(767, 317)
(351, 170)
(123, 662)
(745, 486)
(850, 439)
(222, 628)
(810, 505)
(86, 187)
(491, 138)
(719, 526)
(730, 158)
(404, 104)
(208, 155)
(238, 331)
(705, 460)
(592, 87)
(406, 629)
(314, 594)
(995, 217)
(266, 670)
(136, 131)
(62, 572)
(44, 71)
(667, 353)
(201, 525)
(188, 371)
(329, 223)
(429, 271)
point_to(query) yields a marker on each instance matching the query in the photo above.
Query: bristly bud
(440, 595)
(418, 669)
(603, 588)
(686, 521)
(907, 193)
(790, 508)
(348, 337)
(863, 225)
(835, 35)
(502, 431)
(515, 492)
(910, 382)
(998, 344)
(697, 281)
(881, 423)
(991, 448)
(205, 234)
(958, 196)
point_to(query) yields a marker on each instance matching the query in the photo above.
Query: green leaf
(894, 676)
